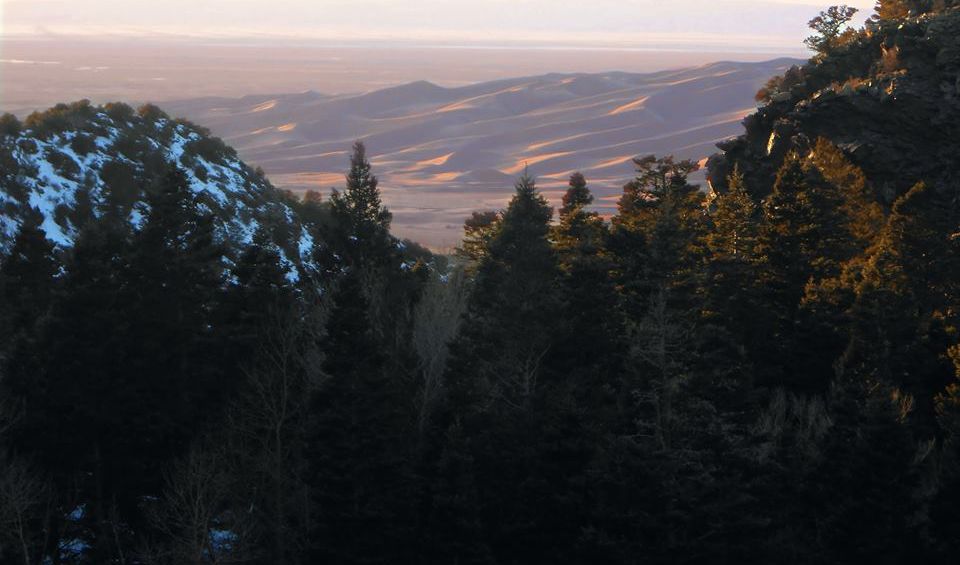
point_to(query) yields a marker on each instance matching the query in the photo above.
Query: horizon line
(660, 42)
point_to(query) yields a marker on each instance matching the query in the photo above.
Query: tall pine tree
(359, 462)
(801, 241)
(590, 300)
(729, 329)
(502, 408)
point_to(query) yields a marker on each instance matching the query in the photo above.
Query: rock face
(890, 99)
(72, 163)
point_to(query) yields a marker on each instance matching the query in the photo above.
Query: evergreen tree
(589, 295)
(589, 353)
(374, 257)
(835, 480)
(177, 264)
(729, 326)
(861, 214)
(127, 364)
(478, 230)
(899, 9)
(506, 394)
(257, 290)
(28, 282)
(660, 215)
(945, 524)
(658, 279)
(360, 466)
(363, 216)
(82, 401)
(854, 220)
(900, 314)
(850, 220)
(667, 424)
(579, 228)
(789, 236)
(733, 234)
(862, 492)
(883, 313)
(801, 241)
(655, 178)
(829, 27)
(10, 125)
(577, 196)
(511, 309)
(356, 446)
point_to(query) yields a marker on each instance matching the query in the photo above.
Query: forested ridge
(764, 370)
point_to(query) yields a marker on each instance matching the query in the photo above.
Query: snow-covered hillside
(74, 162)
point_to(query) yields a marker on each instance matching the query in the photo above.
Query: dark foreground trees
(702, 379)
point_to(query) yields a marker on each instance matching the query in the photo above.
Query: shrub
(192, 127)
(123, 187)
(131, 146)
(63, 163)
(780, 84)
(154, 164)
(60, 118)
(27, 146)
(61, 215)
(830, 29)
(83, 206)
(151, 113)
(10, 125)
(9, 169)
(119, 112)
(83, 144)
(188, 160)
(210, 149)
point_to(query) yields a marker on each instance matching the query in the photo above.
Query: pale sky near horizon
(697, 24)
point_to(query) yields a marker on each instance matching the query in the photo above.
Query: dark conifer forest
(763, 369)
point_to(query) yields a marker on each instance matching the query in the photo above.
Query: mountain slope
(73, 163)
(442, 152)
(890, 98)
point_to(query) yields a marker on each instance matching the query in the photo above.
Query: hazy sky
(750, 24)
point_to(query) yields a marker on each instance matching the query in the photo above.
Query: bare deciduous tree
(269, 420)
(659, 342)
(436, 320)
(242, 485)
(22, 495)
(193, 513)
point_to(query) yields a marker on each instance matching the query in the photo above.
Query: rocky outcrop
(890, 98)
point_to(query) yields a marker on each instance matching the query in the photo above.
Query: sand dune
(268, 105)
(441, 152)
(635, 105)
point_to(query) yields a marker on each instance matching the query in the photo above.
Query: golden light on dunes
(444, 177)
(472, 102)
(614, 162)
(434, 162)
(268, 105)
(533, 160)
(636, 104)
